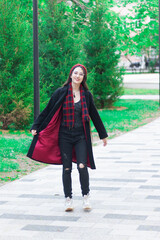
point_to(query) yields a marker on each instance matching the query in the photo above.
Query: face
(77, 75)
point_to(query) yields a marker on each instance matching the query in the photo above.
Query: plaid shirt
(68, 107)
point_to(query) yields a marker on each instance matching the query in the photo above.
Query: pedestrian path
(145, 81)
(125, 196)
(143, 97)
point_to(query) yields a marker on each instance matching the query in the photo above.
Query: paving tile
(153, 197)
(125, 144)
(148, 149)
(19, 237)
(126, 216)
(45, 196)
(130, 162)
(149, 228)
(46, 228)
(142, 170)
(149, 187)
(27, 180)
(157, 209)
(108, 157)
(119, 180)
(39, 217)
(95, 234)
(88, 223)
(144, 238)
(105, 188)
(58, 235)
(14, 237)
(120, 151)
(2, 202)
(53, 169)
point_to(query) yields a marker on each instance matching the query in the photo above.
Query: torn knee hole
(81, 165)
(67, 170)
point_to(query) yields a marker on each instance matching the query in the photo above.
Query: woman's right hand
(34, 132)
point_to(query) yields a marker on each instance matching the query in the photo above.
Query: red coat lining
(47, 147)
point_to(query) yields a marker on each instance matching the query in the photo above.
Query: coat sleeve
(46, 111)
(96, 119)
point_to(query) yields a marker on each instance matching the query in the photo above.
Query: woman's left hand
(104, 141)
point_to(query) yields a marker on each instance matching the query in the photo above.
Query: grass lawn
(124, 116)
(13, 160)
(130, 91)
(127, 115)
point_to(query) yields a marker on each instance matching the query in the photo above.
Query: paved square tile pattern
(125, 195)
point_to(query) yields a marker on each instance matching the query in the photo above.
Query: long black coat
(44, 146)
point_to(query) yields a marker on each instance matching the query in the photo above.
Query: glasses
(80, 74)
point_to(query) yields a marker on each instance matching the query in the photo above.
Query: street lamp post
(36, 58)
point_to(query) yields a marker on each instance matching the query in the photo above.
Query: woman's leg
(81, 156)
(66, 154)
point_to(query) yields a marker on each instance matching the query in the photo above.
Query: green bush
(16, 66)
(59, 46)
(18, 118)
(103, 57)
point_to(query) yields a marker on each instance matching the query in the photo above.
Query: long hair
(84, 84)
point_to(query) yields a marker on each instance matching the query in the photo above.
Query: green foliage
(148, 36)
(142, 22)
(102, 56)
(59, 45)
(15, 65)
(89, 33)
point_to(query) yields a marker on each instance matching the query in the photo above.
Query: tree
(102, 56)
(138, 31)
(146, 39)
(59, 46)
(15, 66)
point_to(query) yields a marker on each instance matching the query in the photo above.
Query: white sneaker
(69, 204)
(86, 203)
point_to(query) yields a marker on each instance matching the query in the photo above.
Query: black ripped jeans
(69, 138)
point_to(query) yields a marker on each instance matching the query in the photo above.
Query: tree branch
(82, 6)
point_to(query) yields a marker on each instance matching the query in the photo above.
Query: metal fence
(142, 70)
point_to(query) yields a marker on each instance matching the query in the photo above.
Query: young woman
(62, 133)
